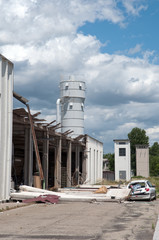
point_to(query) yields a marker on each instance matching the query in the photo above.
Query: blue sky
(138, 30)
(112, 44)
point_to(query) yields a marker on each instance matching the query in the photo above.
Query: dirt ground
(94, 221)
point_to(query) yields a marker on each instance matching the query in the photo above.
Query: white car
(142, 190)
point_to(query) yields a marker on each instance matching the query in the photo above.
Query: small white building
(6, 109)
(142, 160)
(94, 160)
(122, 159)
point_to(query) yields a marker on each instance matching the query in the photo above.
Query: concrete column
(58, 164)
(45, 161)
(28, 158)
(77, 164)
(84, 166)
(69, 161)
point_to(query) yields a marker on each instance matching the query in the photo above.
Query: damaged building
(36, 153)
(52, 156)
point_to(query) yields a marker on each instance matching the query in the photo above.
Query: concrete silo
(70, 106)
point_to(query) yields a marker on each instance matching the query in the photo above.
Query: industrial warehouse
(45, 155)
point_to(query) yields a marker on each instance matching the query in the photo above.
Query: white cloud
(121, 70)
(115, 122)
(133, 6)
(26, 21)
(153, 134)
(42, 39)
(134, 50)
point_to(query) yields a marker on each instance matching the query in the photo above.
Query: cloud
(42, 39)
(134, 80)
(115, 122)
(134, 7)
(153, 133)
(134, 50)
(26, 21)
(131, 79)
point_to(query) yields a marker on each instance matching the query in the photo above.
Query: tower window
(122, 151)
(71, 106)
(80, 87)
(82, 107)
(66, 86)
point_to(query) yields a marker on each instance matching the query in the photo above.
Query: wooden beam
(36, 114)
(55, 127)
(35, 144)
(20, 98)
(50, 123)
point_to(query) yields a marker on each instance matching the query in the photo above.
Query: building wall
(109, 175)
(142, 160)
(122, 160)
(6, 102)
(94, 160)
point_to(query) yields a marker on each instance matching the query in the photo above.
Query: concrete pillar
(45, 160)
(28, 158)
(84, 166)
(77, 164)
(142, 160)
(58, 164)
(69, 154)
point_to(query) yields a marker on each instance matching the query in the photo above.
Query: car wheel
(150, 198)
(155, 196)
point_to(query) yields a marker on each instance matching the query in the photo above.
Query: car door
(152, 189)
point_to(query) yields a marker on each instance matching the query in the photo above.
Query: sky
(111, 44)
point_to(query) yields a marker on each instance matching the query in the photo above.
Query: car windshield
(150, 185)
(137, 185)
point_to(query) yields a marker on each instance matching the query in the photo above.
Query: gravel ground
(75, 220)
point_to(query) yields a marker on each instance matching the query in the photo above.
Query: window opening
(80, 87)
(122, 152)
(71, 106)
(66, 86)
(82, 106)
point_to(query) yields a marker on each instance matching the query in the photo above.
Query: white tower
(70, 106)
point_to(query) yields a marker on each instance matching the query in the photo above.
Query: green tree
(154, 159)
(136, 136)
(154, 165)
(110, 157)
(154, 149)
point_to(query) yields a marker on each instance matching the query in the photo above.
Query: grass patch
(155, 181)
(153, 226)
(107, 182)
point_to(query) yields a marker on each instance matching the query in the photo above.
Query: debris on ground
(102, 189)
(43, 199)
(72, 195)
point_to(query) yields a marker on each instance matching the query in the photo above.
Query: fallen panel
(122, 193)
(68, 195)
